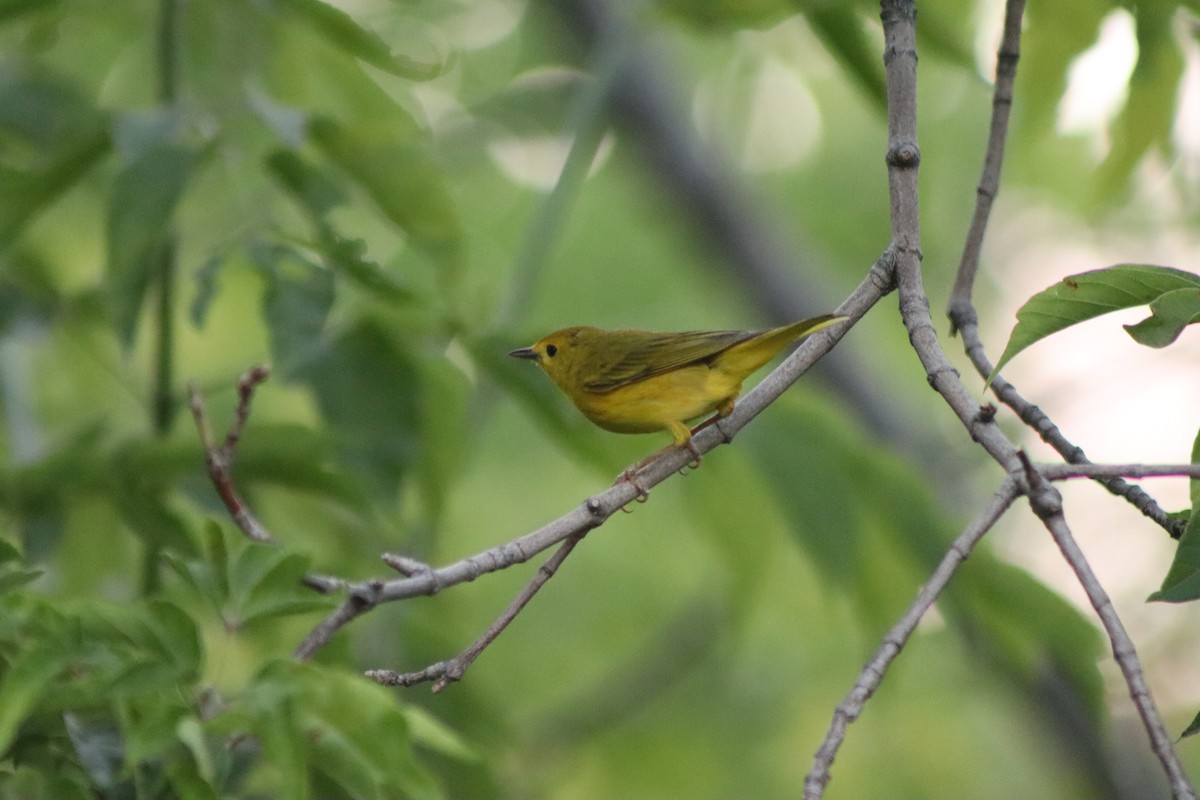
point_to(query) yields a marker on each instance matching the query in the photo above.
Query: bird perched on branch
(633, 381)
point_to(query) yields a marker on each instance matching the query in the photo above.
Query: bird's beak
(525, 352)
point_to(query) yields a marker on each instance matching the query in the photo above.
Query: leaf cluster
(117, 700)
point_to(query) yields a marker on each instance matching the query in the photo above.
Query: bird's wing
(648, 354)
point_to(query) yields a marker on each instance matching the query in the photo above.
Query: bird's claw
(690, 446)
(630, 476)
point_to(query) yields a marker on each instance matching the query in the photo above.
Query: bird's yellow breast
(654, 403)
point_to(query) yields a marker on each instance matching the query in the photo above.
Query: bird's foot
(690, 446)
(630, 476)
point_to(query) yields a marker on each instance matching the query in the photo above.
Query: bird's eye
(551, 350)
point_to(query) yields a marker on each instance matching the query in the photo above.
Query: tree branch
(1100, 472)
(218, 458)
(1007, 56)
(1040, 423)
(444, 673)
(1046, 502)
(894, 640)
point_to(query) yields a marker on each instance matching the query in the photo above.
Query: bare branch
(1046, 502)
(1050, 433)
(894, 640)
(903, 158)
(989, 182)
(219, 458)
(444, 673)
(408, 567)
(1059, 472)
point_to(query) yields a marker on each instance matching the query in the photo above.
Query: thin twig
(218, 458)
(989, 182)
(324, 584)
(1059, 472)
(443, 673)
(1046, 503)
(894, 640)
(1040, 423)
(903, 159)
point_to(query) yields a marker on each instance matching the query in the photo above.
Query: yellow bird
(632, 381)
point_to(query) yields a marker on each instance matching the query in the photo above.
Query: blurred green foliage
(356, 194)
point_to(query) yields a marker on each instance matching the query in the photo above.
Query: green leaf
(1182, 582)
(205, 279)
(208, 576)
(1192, 729)
(216, 548)
(290, 124)
(250, 563)
(267, 709)
(1091, 294)
(24, 193)
(63, 137)
(319, 194)
(433, 734)
(1194, 483)
(176, 638)
(14, 8)
(100, 749)
(841, 30)
(9, 552)
(1053, 37)
(143, 199)
(328, 732)
(340, 29)
(300, 459)
(445, 428)
(151, 734)
(370, 745)
(190, 733)
(815, 507)
(369, 392)
(316, 192)
(1028, 631)
(344, 763)
(279, 592)
(143, 477)
(24, 679)
(13, 572)
(188, 781)
(391, 161)
(18, 578)
(296, 304)
(1149, 112)
(1171, 312)
(265, 582)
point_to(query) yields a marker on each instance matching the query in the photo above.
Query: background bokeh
(371, 197)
